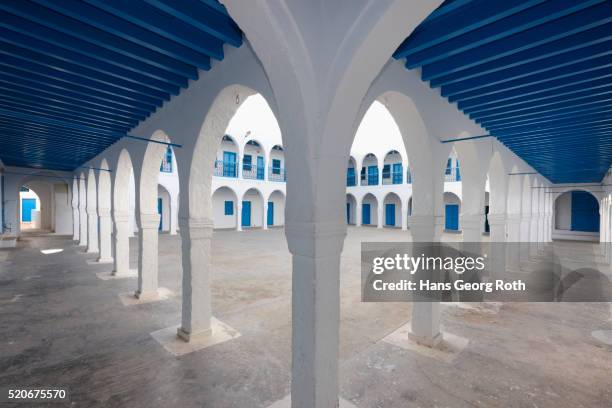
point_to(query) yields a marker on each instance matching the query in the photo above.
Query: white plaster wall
(63, 209)
(218, 201)
(563, 212)
(165, 215)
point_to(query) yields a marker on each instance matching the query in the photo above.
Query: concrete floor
(62, 326)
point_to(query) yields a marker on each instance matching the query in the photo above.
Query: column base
(113, 275)
(139, 298)
(444, 346)
(105, 260)
(286, 403)
(92, 251)
(178, 342)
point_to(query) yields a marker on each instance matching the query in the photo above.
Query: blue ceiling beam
(560, 28)
(34, 137)
(83, 65)
(164, 25)
(561, 113)
(568, 118)
(544, 111)
(526, 15)
(76, 28)
(580, 127)
(83, 132)
(110, 24)
(28, 67)
(94, 51)
(541, 106)
(85, 117)
(555, 87)
(604, 142)
(477, 15)
(566, 46)
(54, 102)
(525, 75)
(101, 99)
(577, 130)
(211, 18)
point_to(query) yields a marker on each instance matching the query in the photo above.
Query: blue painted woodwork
(27, 205)
(228, 208)
(585, 212)
(398, 173)
(365, 214)
(451, 217)
(77, 76)
(270, 214)
(372, 175)
(348, 213)
(534, 74)
(246, 214)
(260, 168)
(229, 164)
(390, 214)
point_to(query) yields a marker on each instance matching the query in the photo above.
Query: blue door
(365, 214)
(27, 205)
(159, 211)
(246, 214)
(397, 173)
(270, 215)
(390, 215)
(260, 168)
(585, 212)
(372, 175)
(229, 164)
(451, 217)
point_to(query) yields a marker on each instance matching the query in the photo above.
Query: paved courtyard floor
(62, 326)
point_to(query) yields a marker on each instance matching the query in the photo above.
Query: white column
(238, 215)
(380, 210)
(105, 236)
(497, 235)
(122, 244)
(404, 211)
(513, 226)
(524, 231)
(92, 228)
(357, 213)
(196, 312)
(425, 321)
(315, 249)
(264, 221)
(82, 214)
(75, 221)
(471, 227)
(148, 256)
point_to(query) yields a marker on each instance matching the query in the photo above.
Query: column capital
(149, 221)
(196, 228)
(315, 239)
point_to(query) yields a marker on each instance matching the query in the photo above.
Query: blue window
(387, 171)
(166, 165)
(363, 173)
(247, 162)
(229, 208)
(449, 165)
(458, 173)
(276, 166)
(24, 189)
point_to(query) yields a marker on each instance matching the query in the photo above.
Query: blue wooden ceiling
(77, 75)
(535, 74)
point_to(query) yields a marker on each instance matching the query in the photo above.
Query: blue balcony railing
(253, 172)
(370, 180)
(226, 169)
(277, 174)
(452, 174)
(393, 178)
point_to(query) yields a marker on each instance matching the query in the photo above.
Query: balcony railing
(277, 174)
(394, 178)
(226, 169)
(351, 180)
(166, 167)
(253, 172)
(452, 174)
(370, 180)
